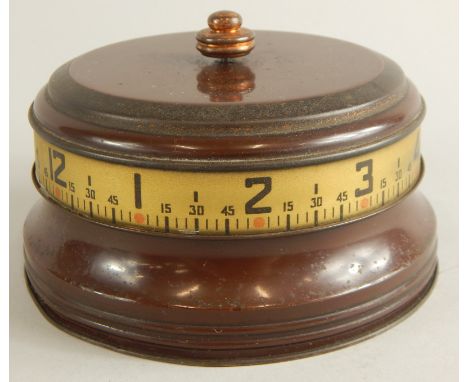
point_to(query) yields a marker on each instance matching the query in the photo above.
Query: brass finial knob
(225, 38)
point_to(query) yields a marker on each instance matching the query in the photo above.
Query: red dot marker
(259, 222)
(57, 192)
(364, 203)
(139, 218)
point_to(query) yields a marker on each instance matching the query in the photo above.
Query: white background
(420, 35)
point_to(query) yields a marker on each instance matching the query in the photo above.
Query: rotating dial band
(229, 203)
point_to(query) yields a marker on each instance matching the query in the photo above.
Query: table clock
(228, 197)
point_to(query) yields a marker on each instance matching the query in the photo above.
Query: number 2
(250, 205)
(55, 174)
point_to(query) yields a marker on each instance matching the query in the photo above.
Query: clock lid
(250, 100)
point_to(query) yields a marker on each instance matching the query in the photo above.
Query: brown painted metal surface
(230, 301)
(145, 102)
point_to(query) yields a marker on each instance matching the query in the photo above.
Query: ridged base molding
(230, 302)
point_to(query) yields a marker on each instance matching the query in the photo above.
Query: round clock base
(230, 302)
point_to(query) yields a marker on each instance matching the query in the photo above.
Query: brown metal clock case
(296, 99)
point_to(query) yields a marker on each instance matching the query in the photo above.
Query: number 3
(367, 177)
